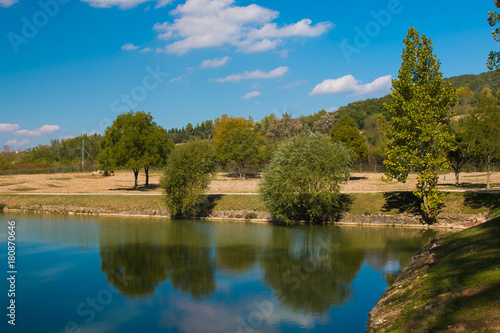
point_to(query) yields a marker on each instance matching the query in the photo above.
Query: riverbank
(459, 210)
(452, 285)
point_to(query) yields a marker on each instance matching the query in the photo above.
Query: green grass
(460, 289)
(389, 203)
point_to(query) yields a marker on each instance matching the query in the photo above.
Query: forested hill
(362, 110)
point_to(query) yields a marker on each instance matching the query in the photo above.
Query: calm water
(89, 275)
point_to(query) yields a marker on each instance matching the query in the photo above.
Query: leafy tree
(481, 130)
(302, 181)
(418, 130)
(186, 177)
(345, 131)
(133, 141)
(375, 140)
(493, 19)
(241, 145)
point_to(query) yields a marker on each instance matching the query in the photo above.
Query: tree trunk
(136, 174)
(457, 178)
(243, 171)
(146, 171)
(488, 184)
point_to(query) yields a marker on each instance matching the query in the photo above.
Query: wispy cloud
(294, 84)
(129, 47)
(7, 128)
(349, 85)
(214, 63)
(44, 130)
(258, 74)
(146, 50)
(15, 143)
(213, 23)
(7, 3)
(124, 4)
(251, 95)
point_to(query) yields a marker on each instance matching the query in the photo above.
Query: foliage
(241, 145)
(482, 128)
(460, 153)
(302, 181)
(494, 57)
(375, 140)
(186, 176)
(134, 141)
(345, 131)
(361, 110)
(418, 130)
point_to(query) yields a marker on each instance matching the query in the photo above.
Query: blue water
(90, 275)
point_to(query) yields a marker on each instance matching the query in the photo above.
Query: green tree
(481, 131)
(186, 177)
(241, 145)
(493, 19)
(302, 181)
(460, 153)
(345, 131)
(418, 131)
(133, 141)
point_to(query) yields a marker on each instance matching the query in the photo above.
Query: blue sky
(71, 66)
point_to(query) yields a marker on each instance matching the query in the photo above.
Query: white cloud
(294, 84)
(129, 47)
(332, 109)
(124, 4)
(66, 137)
(214, 63)
(351, 86)
(15, 143)
(44, 130)
(7, 128)
(258, 74)
(7, 3)
(213, 23)
(146, 50)
(251, 95)
(177, 79)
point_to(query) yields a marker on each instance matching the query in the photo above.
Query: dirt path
(122, 183)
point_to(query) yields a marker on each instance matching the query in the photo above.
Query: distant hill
(362, 110)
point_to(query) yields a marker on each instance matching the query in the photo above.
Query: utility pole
(83, 154)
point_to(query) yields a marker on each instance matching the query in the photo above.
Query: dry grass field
(123, 181)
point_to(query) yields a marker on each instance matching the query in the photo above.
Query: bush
(302, 181)
(186, 177)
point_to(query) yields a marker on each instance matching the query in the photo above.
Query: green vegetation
(493, 19)
(186, 177)
(452, 286)
(134, 141)
(346, 132)
(302, 181)
(418, 129)
(480, 129)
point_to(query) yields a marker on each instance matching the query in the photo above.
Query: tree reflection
(309, 271)
(137, 258)
(236, 258)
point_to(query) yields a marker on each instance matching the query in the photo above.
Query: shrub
(302, 181)
(186, 176)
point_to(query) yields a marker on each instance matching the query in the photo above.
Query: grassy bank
(452, 285)
(390, 203)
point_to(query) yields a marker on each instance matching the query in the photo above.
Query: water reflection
(136, 259)
(195, 276)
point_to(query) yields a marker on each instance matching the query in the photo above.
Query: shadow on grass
(479, 200)
(472, 186)
(358, 178)
(207, 206)
(459, 298)
(140, 188)
(247, 176)
(401, 202)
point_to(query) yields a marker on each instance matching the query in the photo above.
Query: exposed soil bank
(452, 285)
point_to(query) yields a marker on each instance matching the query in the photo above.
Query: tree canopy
(302, 181)
(345, 131)
(493, 19)
(134, 141)
(418, 131)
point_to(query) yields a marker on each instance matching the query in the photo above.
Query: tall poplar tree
(418, 132)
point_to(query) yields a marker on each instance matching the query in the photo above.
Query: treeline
(66, 152)
(271, 129)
